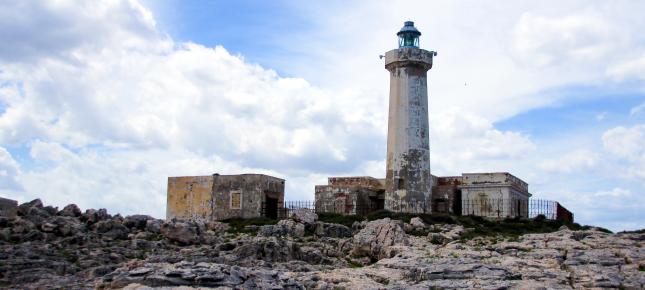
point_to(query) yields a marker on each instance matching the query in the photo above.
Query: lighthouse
(408, 182)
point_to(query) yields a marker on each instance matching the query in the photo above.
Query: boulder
(417, 223)
(137, 221)
(437, 238)
(22, 226)
(269, 249)
(376, 239)
(50, 210)
(92, 216)
(182, 233)
(71, 210)
(154, 226)
(23, 209)
(217, 227)
(332, 230)
(304, 215)
(67, 226)
(283, 228)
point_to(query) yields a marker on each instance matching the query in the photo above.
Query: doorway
(456, 203)
(271, 208)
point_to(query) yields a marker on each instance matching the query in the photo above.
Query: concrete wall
(496, 195)
(8, 207)
(190, 197)
(254, 189)
(349, 195)
(209, 197)
(408, 180)
(356, 181)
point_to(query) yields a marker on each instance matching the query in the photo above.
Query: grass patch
(336, 218)
(353, 264)
(238, 225)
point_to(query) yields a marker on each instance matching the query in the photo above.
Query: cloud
(66, 29)
(637, 110)
(461, 141)
(571, 162)
(545, 41)
(9, 170)
(633, 68)
(627, 144)
(107, 118)
(624, 142)
(108, 106)
(616, 208)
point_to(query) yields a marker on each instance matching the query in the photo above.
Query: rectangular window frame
(230, 203)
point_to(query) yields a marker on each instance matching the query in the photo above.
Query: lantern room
(408, 35)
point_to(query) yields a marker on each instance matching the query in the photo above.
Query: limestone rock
(417, 222)
(377, 237)
(137, 221)
(283, 228)
(217, 227)
(303, 215)
(267, 249)
(71, 210)
(182, 233)
(332, 230)
(24, 208)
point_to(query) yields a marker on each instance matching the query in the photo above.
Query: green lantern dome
(408, 35)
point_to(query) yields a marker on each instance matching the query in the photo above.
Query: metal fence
(493, 208)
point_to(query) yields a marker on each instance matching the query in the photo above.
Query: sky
(101, 101)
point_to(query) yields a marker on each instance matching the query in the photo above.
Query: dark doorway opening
(271, 208)
(456, 203)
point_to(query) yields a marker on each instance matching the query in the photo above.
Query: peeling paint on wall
(217, 197)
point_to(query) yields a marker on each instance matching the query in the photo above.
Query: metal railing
(493, 208)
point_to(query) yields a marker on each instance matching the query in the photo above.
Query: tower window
(400, 183)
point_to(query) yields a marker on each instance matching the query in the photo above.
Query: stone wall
(8, 207)
(217, 197)
(190, 197)
(350, 195)
(254, 189)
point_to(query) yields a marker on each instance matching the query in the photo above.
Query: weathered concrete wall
(408, 180)
(210, 197)
(356, 181)
(254, 189)
(497, 195)
(190, 197)
(495, 178)
(350, 195)
(8, 207)
(346, 200)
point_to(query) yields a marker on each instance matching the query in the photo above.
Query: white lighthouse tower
(408, 182)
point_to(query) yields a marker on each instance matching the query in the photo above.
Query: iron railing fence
(493, 208)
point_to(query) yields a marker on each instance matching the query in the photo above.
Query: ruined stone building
(218, 197)
(409, 185)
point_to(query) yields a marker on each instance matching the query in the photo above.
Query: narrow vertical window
(236, 200)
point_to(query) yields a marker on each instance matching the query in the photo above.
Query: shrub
(336, 218)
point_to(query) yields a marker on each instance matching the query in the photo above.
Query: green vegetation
(239, 225)
(352, 264)
(510, 228)
(336, 218)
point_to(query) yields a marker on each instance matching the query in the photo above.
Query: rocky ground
(44, 247)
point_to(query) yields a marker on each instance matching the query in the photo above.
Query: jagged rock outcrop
(43, 246)
(378, 237)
